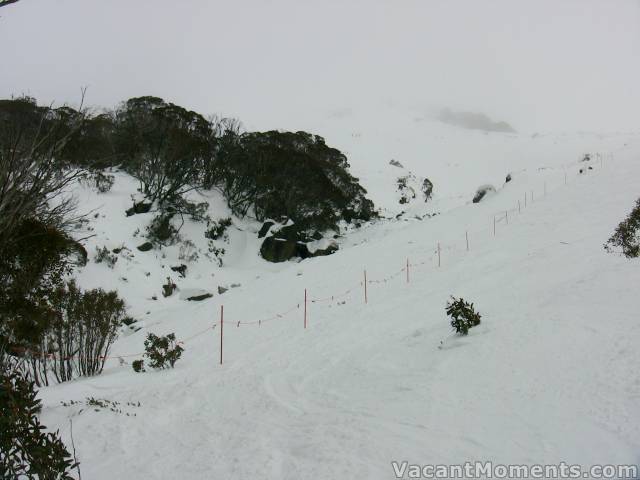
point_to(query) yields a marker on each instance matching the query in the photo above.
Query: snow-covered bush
(463, 316)
(162, 351)
(217, 230)
(188, 252)
(627, 234)
(427, 189)
(407, 193)
(161, 231)
(102, 182)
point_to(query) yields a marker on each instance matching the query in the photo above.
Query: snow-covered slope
(550, 375)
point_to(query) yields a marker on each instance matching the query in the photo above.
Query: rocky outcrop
(266, 226)
(180, 269)
(194, 294)
(288, 242)
(145, 247)
(275, 249)
(139, 207)
(322, 248)
(409, 185)
(482, 193)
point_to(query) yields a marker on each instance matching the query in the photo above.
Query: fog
(540, 65)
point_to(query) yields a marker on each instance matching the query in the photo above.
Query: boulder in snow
(482, 192)
(145, 247)
(194, 294)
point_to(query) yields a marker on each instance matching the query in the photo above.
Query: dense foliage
(294, 175)
(463, 316)
(26, 450)
(172, 150)
(627, 234)
(43, 321)
(162, 351)
(163, 145)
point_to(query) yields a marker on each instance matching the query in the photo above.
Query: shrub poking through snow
(162, 351)
(100, 181)
(161, 231)
(217, 230)
(103, 182)
(168, 288)
(138, 366)
(627, 234)
(463, 316)
(427, 189)
(104, 255)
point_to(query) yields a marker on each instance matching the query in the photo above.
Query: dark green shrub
(217, 230)
(138, 366)
(294, 175)
(83, 329)
(168, 288)
(26, 450)
(32, 265)
(161, 231)
(627, 234)
(162, 351)
(463, 316)
(163, 145)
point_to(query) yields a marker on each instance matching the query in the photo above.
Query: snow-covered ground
(550, 375)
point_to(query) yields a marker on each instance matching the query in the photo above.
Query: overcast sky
(541, 65)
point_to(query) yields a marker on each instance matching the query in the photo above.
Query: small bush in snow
(188, 252)
(427, 189)
(138, 366)
(104, 255)
(217, 230)
(100, 181)
(162, 351)
(196, 211)
(463, 316)
(168, 288)
(218, 254)
(627, 234)
(160, 230)
(103, 182)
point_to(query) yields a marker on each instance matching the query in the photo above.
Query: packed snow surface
(550, 375)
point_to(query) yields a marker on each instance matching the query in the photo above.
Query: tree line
(170, 151)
